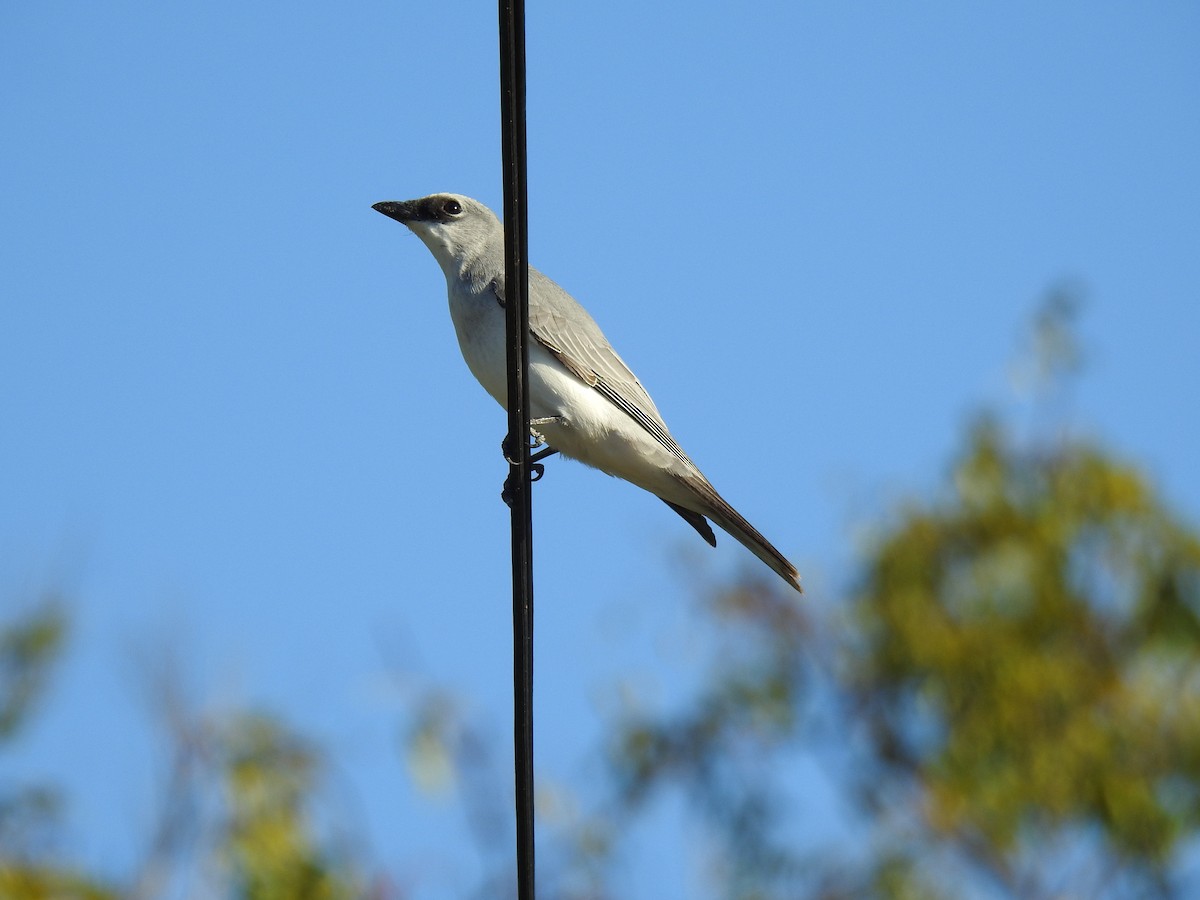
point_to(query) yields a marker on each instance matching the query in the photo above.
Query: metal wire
(516, 292)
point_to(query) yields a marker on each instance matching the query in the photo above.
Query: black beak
(400, 211)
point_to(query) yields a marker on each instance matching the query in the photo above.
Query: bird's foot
(536, 471)
(536, 439)
(536, 436)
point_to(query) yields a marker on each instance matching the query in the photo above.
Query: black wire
(516, 293)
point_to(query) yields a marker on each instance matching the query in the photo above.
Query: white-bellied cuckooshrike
(584, 401)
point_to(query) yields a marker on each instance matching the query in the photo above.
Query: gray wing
(563, 327)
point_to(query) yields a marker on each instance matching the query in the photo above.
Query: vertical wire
(516, 291)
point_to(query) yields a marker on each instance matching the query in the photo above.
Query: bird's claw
(508, 451)
(536, 471)
(536, 439)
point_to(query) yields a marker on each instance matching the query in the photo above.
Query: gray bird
(584, 401)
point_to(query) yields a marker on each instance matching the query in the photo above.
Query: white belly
(592, 430)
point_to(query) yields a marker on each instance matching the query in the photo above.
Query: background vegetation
(1005, 698)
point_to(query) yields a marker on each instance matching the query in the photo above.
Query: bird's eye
(451, 207)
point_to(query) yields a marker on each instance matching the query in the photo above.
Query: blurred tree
(1031, 656)
(1008, 704)
(1014, 698)
(238, 815)
(28, 648)
(30, 644)
(235, 816)
(269, 776)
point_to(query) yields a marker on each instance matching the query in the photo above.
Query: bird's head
(460, 232)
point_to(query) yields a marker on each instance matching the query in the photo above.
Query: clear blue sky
(236, 429)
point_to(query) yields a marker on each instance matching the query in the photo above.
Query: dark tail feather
(696, 520)
(731, 521)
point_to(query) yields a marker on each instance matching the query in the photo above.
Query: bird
(585, 402)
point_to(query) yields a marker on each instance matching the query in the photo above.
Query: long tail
(732, 522)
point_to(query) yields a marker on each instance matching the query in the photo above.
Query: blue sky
(237, 431)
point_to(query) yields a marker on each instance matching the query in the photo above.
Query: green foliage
(30, 882)
(1008, 702)
(1020, 669)
(1023, 659)
(28, 647)
(263, 775)
(1013, 697)
(1032, 651)
(269, 776)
